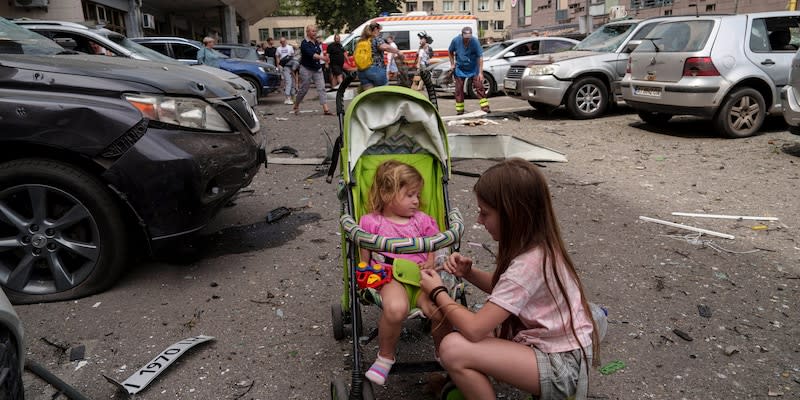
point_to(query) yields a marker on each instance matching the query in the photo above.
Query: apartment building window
(289, 33)
(427, 6)
(498, 25)
(113, 18)
(411, 6)
(447, 6)
(711, 7)
(263, 35)
(498, 5)
(483, 5)
(667, 12)
(483, 26)
(463, 5)
(636, 4)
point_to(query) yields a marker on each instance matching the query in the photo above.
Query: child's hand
(458, 265)
(428, 264)
(429, 280)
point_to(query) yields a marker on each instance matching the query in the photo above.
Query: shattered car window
(606, 39)
(17, 40)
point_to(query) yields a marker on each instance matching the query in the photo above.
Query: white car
(498, 57)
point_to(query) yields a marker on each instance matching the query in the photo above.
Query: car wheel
(11, 387)
(794, 130)
(654, 118)
(254, 82)
(489, 86)
(587, 98)
(62, 235)
(742, 113)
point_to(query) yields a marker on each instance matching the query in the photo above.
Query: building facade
(192, 19)
(566, 17)
(494, 16)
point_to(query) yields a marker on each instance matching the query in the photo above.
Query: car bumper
(675, 99)
(177, 180)
(790, 105)
(545, 89)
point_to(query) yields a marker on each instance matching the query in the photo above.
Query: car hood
(242, 62)
(561, 56)
(139, 75)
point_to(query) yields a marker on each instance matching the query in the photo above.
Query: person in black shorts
(337, 54)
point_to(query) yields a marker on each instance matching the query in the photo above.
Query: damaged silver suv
(727, 68)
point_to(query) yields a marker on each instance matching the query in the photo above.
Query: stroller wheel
(339, 389)
(367, 391)
(337, 320)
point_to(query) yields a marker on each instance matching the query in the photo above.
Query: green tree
(336, 15)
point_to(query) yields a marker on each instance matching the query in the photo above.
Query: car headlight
(181, 111)
(540, 70)
(272, 69)
(262, 69)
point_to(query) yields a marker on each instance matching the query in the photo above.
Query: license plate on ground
(510, 84)
(647, 91)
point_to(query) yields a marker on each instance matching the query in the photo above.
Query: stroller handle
(427, 244)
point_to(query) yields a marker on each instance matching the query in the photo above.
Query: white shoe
(288, 101)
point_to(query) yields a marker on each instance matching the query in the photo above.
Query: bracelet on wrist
(432, 295)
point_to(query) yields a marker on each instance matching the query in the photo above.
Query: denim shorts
(374, 75)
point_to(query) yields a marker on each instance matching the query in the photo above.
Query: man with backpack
(466, 62)
(368, 57)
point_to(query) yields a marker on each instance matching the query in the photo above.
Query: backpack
(363, 54)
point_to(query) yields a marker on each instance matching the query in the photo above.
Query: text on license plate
(510, 84)
(647, 91)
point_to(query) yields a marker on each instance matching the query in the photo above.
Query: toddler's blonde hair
(390, 177)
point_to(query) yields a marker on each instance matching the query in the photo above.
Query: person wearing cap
(466, 62)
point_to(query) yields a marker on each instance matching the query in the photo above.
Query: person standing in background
(337, 55)
(283, 55)
(269, 52)
(391, 66)
(207, 55)
(466, 62)
(311, 56)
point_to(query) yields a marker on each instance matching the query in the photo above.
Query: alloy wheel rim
(588, 98)
(49, 241)
(742, 116)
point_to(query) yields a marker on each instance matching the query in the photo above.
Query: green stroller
(388, 122)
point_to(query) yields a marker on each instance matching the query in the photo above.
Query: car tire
(587, 98)
(11, 387)
(794, 130)
(654, 118)
(488, 84)
(742, 113)
(254, 82)
(69, 231)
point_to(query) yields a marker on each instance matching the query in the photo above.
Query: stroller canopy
(385, 112)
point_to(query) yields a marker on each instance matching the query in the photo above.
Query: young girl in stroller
(394, 203)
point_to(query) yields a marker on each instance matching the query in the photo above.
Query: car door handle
(768, 62)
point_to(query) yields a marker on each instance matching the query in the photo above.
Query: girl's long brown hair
(518, 191)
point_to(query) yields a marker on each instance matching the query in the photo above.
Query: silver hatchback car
(727, 68)
(790, 97)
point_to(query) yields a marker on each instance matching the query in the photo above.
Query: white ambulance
(405, 28)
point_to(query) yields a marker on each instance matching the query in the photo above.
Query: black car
(98, 152)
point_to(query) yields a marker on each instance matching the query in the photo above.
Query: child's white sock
(379, 370)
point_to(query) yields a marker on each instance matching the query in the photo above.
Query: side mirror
(509, 54)
(632, 45)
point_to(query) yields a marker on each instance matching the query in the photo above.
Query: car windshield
(495, 49)
(136, 48)
(15, 39)
(607, 38)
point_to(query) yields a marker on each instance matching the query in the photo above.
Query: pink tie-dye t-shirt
(522, 291)
(419, 225)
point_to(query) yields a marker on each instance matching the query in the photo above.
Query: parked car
(790, 97)
(498, 57)
(78, 37)
(99, 154)
(263, 76)
(728, 68)
(584, 79)
(12, 352)
(239, 51)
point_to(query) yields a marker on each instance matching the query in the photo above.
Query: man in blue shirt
(466, 61)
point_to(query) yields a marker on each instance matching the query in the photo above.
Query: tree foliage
(338, 15)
